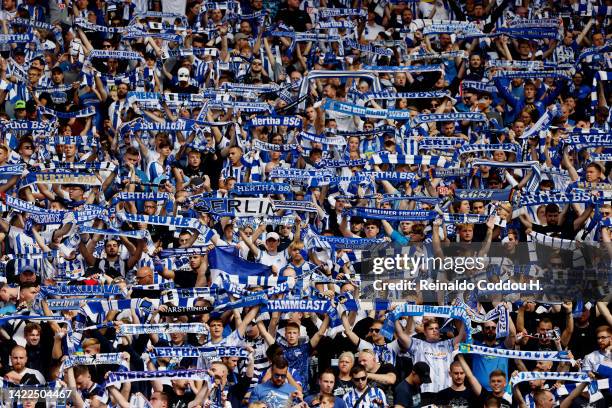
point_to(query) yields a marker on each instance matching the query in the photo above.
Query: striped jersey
(374, 398)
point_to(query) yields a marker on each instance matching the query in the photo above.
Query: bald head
(144, 276)
(544, 399)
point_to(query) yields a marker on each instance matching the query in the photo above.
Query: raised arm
(569, 324)
(567, 402)
(349, 331)
(602, 308)
(320, 333)
(249, 243)
(404, 337)
(248, 318)
(476, 387)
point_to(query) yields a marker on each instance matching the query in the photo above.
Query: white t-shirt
(592, 360)
(438, 356)
(233, 340)
(279, 260)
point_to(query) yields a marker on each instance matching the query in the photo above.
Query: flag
(225, 263)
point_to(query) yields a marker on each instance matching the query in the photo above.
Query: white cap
(183, 74)
(273, 235)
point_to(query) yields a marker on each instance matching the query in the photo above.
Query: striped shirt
(117, 111)
(261, 362)
(239, 173)
(372, 399)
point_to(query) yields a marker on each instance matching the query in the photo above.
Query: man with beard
(543, 340)
(482, 365)
(112, 265)
(20, 374)
(277, 391)
(457, 395)
(117, 111)
(591, 361)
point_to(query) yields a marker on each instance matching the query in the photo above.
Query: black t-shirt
(458, 399)
(384, 368)
(185, 278)
(537, 345)
(583, 341)
(178, 401)
(192, 172)
(565, 231)
(342, 387)
(406, 395)
(213, 164)
(294, 18)
(189, 89)
(484, 395)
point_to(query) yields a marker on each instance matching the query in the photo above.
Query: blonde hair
(90, 342)
(348, 355)
(296, 245)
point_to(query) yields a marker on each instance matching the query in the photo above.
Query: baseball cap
(273, 235)
(240, 36)
(183, 74)
(422, 370)
(20, 104)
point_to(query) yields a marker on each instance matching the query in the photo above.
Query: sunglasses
(279, 375)
(360, 379)
(374, 330)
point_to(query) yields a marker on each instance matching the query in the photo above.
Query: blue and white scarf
(389, 214)
(561, 356)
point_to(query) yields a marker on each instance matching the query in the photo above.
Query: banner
(236, 207)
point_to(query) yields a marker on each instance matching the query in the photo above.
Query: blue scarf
(483, 195)
(561, 356)
(350, 243)
(368, 49)
(270, 147)
(386, 158)
(476, 148)
(389, 214)
(448, 117)
(558, 197)
(261, 188)
(289, 121)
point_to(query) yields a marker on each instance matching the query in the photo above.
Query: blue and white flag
(226, 261)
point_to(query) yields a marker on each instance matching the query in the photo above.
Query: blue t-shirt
(482, 366)
(273, 396)
(298, 358)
